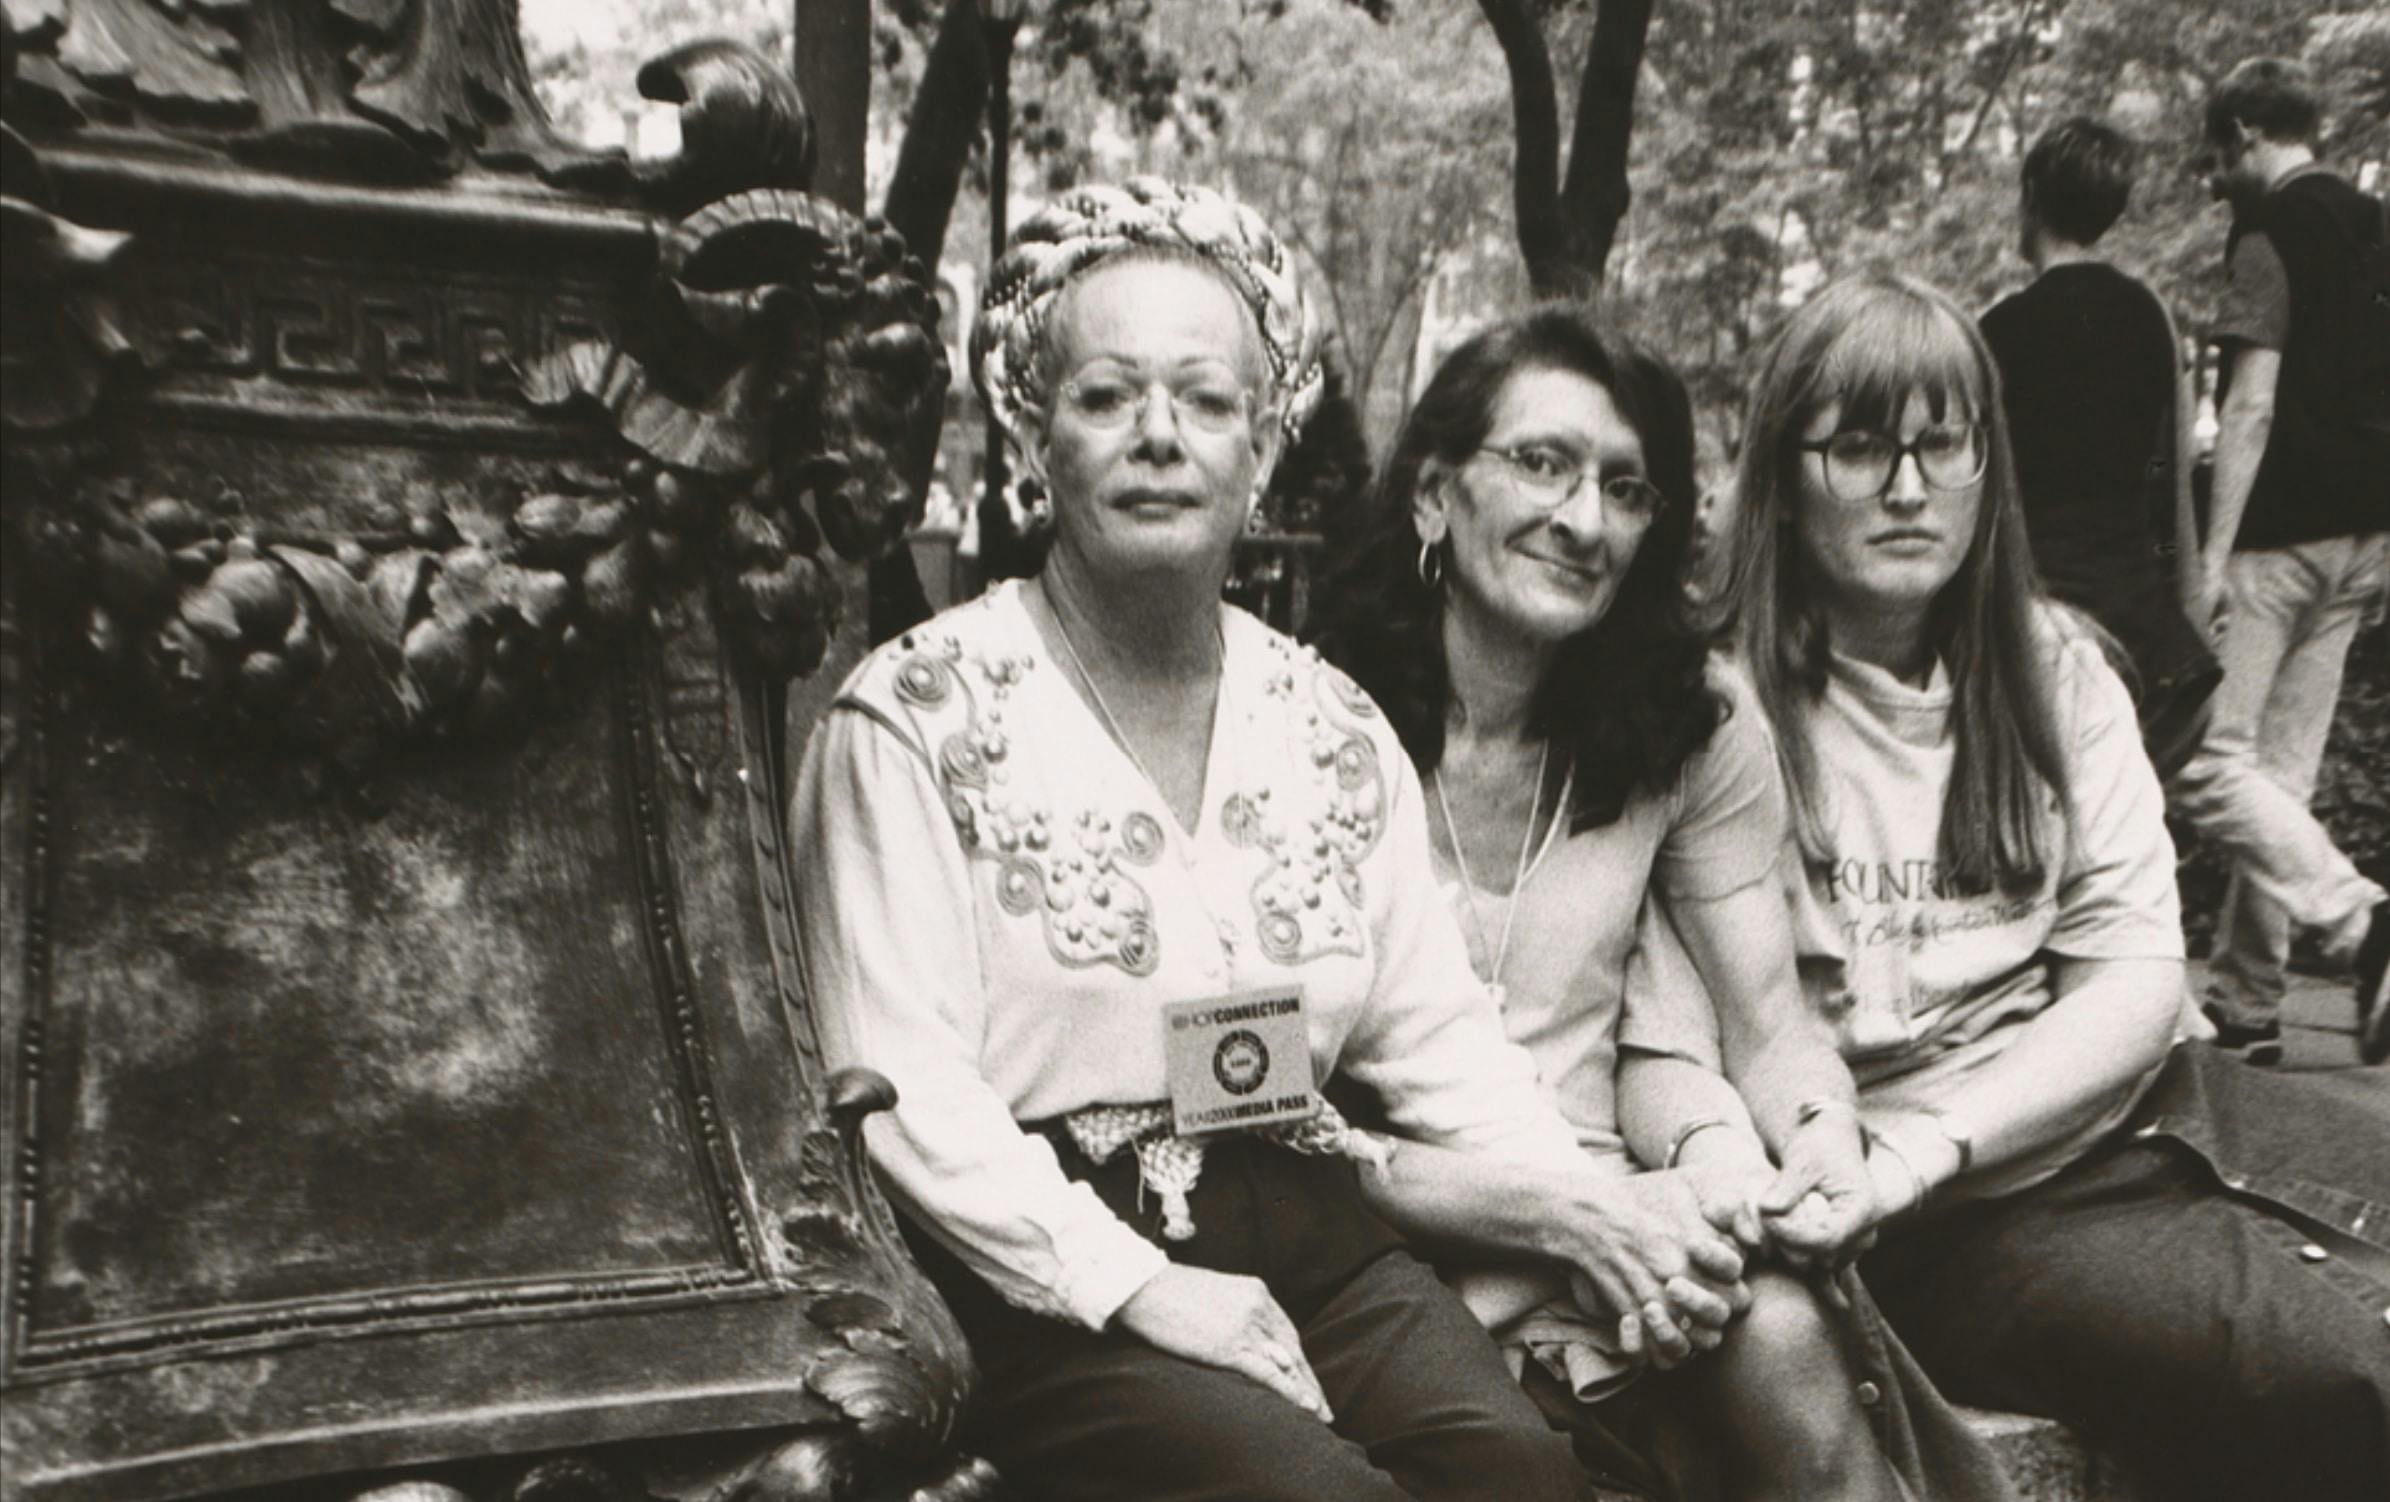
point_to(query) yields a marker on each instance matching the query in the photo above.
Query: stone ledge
(2047, 1463)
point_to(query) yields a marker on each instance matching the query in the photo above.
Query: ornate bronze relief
(412, 522)
(757, 390)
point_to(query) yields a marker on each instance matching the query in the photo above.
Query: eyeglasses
(1113, 403)
(1550, 478)
(1861, 462)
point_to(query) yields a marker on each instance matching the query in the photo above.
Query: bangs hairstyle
(1627, 696)
(1869, 343)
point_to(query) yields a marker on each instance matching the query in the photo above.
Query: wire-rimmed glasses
(1551, 478)
(1111, 403)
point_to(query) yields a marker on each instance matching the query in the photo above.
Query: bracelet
(1687, 1132)
(1879, 1140)
(1825, 1105)
(1956, 1135)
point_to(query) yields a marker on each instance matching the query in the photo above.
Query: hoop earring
(1431, 565)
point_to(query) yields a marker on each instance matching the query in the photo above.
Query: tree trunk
(1567, 227)
(1593, 200)
(940, 132)
(834, 74)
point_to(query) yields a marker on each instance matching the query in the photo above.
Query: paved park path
(2319, 1039)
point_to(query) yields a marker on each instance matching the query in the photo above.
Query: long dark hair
(1626, 696)
(1867, 343)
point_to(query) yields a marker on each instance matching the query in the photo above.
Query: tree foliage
(1779, 145)
(1376, 148)
(1773, 143)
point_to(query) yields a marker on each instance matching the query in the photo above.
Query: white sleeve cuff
(1094, 1283)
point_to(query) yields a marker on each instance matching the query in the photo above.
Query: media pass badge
(1238, 1061)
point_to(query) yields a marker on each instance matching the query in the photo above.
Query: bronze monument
(422, 537)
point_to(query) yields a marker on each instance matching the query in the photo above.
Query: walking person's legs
(2294, 611)
(2253, 932)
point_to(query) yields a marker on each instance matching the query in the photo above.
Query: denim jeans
(2205, 1291)
(2293, 613)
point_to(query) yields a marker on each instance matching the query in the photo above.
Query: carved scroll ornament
(61, 336)
(387, 89)
(755, 409)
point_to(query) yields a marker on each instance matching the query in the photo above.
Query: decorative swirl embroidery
(1348, 693)
(1141, 837)
(1020, 885)
(962, 763)
(1091, 911)
(923, 681)
(1308, 899)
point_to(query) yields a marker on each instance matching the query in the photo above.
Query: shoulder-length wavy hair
(1627, 696)
(1868, 343)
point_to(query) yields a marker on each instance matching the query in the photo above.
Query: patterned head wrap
(1088, 226)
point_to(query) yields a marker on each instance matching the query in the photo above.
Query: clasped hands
(1667, 1250)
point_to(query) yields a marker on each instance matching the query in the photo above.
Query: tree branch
(1535, 115)
(940, 132)
(1412, 286)
(1593, 200)
(1991, 93)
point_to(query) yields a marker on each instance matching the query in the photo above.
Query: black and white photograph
(1194, 751)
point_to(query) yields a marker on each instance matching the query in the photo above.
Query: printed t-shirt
(997, 905)
(1924, 985)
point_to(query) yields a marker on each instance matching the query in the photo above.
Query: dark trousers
(2158, 1297)
(1425, 1408)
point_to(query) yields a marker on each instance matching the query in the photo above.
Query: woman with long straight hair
(2085, 1216)
(1512, 596)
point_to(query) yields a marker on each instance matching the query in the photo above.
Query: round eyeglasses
(1551, 478)
(1113, 403)
(1860, 462)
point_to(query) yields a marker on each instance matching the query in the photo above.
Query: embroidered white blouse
(997, 904)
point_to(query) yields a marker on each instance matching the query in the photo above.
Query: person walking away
(2298, 546)
(2091, 375)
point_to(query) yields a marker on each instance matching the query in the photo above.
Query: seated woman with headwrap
(1095, 859)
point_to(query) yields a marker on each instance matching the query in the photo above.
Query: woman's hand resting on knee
(1227, 1321)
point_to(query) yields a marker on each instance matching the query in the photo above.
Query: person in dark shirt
(2298, 547)
(2090, 379)
(2089, 372)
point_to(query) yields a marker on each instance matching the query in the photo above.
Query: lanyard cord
(1529, 855)
(1096, 692)
(1222, 930)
